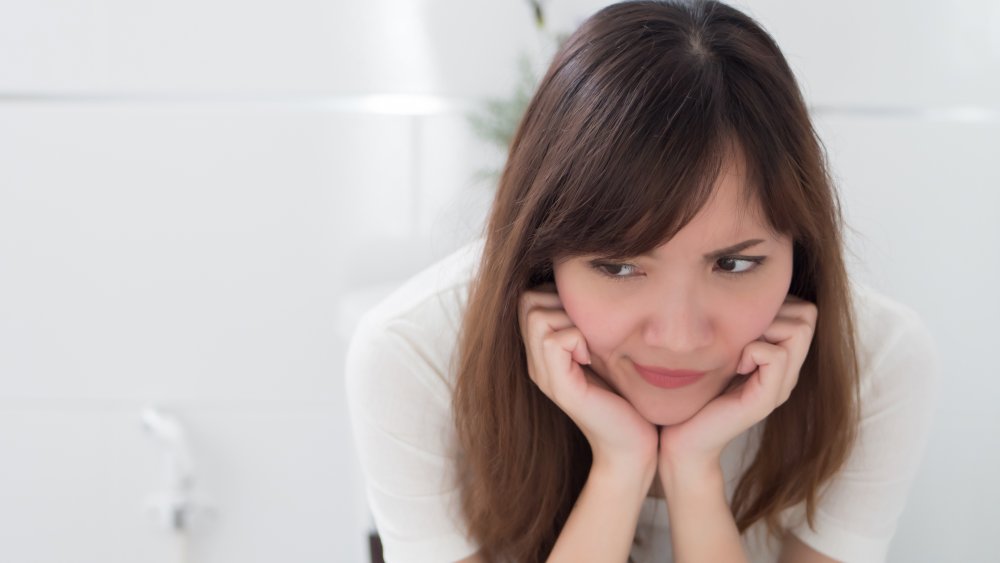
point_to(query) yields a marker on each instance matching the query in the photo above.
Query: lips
(667, 378)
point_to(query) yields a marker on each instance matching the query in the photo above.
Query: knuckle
(522, 316)
(808, 312)
(812, 309)
(526, 303)
(806, 326)
(537, 322)
(550, 343)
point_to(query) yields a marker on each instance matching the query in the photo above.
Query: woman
(656, 350)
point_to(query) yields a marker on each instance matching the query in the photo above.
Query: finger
(597, 379)
(780, 372)
(563, 352)
(533, 301)
(795, 336)
(771, 364)
(734, 382)
(537, 300)
(784, 329)
(567, 343)
(543, 296)
(796, 308)
(540, 324)
(547, 287)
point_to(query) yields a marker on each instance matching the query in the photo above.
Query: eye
(617, 272)
(738, 265)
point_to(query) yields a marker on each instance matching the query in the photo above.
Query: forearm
(602, 525)
(702, 528)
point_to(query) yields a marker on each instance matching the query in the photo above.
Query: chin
(665, 417)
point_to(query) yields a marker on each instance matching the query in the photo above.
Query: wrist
(638, 472)
(691, 475)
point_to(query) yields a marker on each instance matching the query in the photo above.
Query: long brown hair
(619, 148)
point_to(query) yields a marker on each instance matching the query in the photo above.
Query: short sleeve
(857, 514)
(400, 409)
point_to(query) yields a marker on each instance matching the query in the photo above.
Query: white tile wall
(198, 254)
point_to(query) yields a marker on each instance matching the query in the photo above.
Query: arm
(702, 526)
(858, 513)
(402, 429)
(601, 526)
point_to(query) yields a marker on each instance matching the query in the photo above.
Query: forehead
(694, 208)
(733, 201)
(732, 208)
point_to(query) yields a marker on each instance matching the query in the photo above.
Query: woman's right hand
(559, 364)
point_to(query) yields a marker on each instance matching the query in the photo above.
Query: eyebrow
(716, 254)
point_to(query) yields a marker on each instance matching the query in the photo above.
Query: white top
(400, 378)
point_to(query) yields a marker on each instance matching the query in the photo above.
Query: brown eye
(615, 271)
(738, 265)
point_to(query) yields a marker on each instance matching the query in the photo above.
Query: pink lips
(666, 378)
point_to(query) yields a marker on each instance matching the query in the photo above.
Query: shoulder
(399, 385)
(892, 342)
(859, 507)
(411, 334)
(433, 292)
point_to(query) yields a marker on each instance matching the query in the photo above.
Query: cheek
(760, 306)
(747, 320)
(604, 327)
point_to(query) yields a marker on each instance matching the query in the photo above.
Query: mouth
(666, 378)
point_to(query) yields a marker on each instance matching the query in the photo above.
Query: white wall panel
(197, 199)
(874, 54)
(921, 197)
(449, 47)
(188, 252)
(74, 484)
(893, 53)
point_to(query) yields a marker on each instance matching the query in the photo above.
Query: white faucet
(176, 506)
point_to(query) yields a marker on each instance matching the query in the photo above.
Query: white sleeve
(856, 517)
(400, 410)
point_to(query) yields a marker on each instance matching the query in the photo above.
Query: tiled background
(196, 198)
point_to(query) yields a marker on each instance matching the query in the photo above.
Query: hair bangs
(623, 195)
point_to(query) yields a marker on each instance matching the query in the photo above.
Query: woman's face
(685, 306)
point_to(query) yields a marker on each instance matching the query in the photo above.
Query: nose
(678, 321)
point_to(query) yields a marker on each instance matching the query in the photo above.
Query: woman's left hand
(773, 363)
